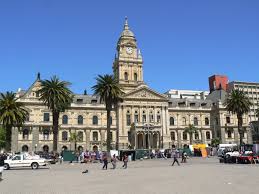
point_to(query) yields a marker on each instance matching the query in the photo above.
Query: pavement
(198, 176)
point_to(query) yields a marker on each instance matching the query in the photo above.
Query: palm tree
(2, 138)
(12, 113)
(57, 97)
(109, 90)
(238, 103)
(191, 129)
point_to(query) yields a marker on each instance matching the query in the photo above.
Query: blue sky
(182, 42)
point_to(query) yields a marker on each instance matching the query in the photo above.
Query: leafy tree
(191, 129)
(109, 90)
(74, 137)
(238, 103)
(215, 142)
(12, 114)
(57, 97)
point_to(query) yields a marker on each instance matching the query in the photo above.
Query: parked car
(246, 158)
(50, 158)
(23, 160)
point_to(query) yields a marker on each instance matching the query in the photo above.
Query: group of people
(114, 161)
(175, 154)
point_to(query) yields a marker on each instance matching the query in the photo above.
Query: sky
(182, 42)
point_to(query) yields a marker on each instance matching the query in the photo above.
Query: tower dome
(126, 31)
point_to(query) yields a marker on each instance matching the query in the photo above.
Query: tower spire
(126, 26)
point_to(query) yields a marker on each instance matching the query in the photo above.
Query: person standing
(174, 155)
(105, 161)
(114, 161)
(125, 161)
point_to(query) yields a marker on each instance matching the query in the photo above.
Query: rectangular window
(136, 118)
(144, 118)
(228, 120)
(158, 118)
(46, 117)
(128, 120)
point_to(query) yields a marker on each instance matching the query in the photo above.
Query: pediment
(145, 93)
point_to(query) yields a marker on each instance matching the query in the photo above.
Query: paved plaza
(198, 176)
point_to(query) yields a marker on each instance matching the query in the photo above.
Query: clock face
(129, 50)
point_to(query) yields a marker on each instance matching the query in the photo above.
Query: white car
(22, 160)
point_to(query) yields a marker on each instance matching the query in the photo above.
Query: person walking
(105, 161)
(114, 161)
(174, 155)
(125, 161)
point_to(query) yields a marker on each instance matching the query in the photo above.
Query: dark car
(247, 158)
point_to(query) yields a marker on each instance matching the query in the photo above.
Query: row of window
(185, 136)
(144, 119)
(126, 76)
(64, 135)
(184, 122)
(80, 119)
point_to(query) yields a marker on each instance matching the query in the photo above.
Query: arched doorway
(45, 148)
(95, 148)
(140, 141)
(25, 148)
(64, 148)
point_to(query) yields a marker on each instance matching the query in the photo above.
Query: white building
(190, 94)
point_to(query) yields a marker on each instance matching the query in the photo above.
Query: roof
(217, 95)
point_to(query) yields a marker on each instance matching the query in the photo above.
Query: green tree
(238, 103)
(74, 137)
(191, 129)
(109, 90)
(215, 142)
(57, 97)
(2, 138)
(12, 114)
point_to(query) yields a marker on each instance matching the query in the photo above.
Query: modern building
(217, 82)
(190, 94)
(251, 90)
(144, 119)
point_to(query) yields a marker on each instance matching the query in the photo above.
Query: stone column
(179, 138)
(223, 134)
(203, 136)
(87, 138)
(35, 138)
(14, 142)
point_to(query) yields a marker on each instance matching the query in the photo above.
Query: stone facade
(144, 119)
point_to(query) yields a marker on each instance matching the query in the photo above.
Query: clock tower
(128, 62)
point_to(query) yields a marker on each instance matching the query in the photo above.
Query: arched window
(95, 120)
(25, 148)
(136, 117)
(158, 117)
(229, 134)
(80, 120)
(95, 136)
(208, 135)
(111, 135)
(173, 136)
(80, 136)
(184, 136)
(126, 76)
(135, 77)
(46, 134)
(25, 134)
(65, 120)
(196, 135)
(128, 119)
(195, 121)
(171, 121)
(151, 117)
(207, 122)
(184, 121)
(64, 136)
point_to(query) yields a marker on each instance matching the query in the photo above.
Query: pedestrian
(184, 156)
(105, 161)
(125, 161)
(114, 161)
(174, 155)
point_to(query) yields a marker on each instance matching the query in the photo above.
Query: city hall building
(144, 119)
